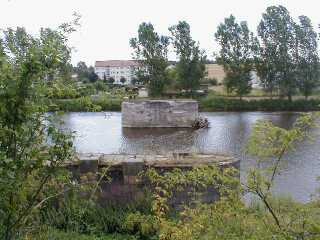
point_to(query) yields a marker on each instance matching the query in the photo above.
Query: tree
(92, 76)
(276, 31)
(270, 144)
(85, 73)
(236, 55)
(53, 38)
(32, 149)
(265, 71)
(307, 57)
(191, 67)
(151, 50)
(111, 80)
(123, 80)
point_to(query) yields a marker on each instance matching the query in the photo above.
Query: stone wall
(159, 113)
(127, 186)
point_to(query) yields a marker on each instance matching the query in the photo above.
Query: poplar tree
(151, 50)
(307, 57)
(277, 33)
(236, 55)
(190, 68)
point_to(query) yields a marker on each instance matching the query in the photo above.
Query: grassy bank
(86, 104)
(54, 234)
(207, 104)
(214, 104)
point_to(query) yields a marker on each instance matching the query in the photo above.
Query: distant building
(255, 80)
(117, 69)
(215, 71)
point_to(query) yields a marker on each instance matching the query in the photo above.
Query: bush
(100, 86)
(55, 234)
(211, 81)
(108, 103)
(87, 90)
(60, 90)
(74, 105)
(212, 103)
(74, 213)
(145, 225)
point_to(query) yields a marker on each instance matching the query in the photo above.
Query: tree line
(283, 53)
(151, 49)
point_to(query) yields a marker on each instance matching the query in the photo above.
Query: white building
(117, 69)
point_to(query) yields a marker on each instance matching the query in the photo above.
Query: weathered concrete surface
(127, 185)
(159, 113)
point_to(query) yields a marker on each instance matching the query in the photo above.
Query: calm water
(102, 133)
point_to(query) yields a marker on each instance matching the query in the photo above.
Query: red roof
(117, 63)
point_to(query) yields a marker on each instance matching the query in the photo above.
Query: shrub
(74, 105)
(212, 103)
(73, 213)
(55, 234)
(211, 81)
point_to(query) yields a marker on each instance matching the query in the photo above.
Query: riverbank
(207, 104)
(218, 104)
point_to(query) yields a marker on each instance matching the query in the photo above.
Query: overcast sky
(107, 25)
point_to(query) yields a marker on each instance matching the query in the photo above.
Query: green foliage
(308, 75)
(236, 55)
(100, 86)
(74, 213)
(111, 80)
(270, 143)
(53, 234)
(211, 81)
(145, 225)
(190, 68)
(85, 74)
(213, 103)
(277, 56)
(151, 50)
(123, 80)
(229, 218)
(31, 148)
(59, 89)
(75, 105)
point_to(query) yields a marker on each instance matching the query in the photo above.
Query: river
(102, 133)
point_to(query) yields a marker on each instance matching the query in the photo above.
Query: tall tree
(191, 67)
(32, 149)
(85, 73)
(111, 80)
(307, 57)
(92, 76)
(277, 33)
(123, 80)
(236, 55)
(151, 50)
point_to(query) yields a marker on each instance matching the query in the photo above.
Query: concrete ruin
(159, 113)
(126, 183)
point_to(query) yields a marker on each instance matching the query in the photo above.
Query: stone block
(159, 113)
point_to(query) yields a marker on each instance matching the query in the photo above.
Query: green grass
(54, 234)
(86, 104)
(212, 104)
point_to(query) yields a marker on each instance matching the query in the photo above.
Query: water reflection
(228, 134)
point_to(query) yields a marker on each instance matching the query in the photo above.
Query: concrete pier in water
(159, 113)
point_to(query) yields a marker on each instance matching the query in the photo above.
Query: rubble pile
(200, 123)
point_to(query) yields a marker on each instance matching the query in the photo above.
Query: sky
(107, 25)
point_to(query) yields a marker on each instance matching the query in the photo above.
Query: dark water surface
(102, 133)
